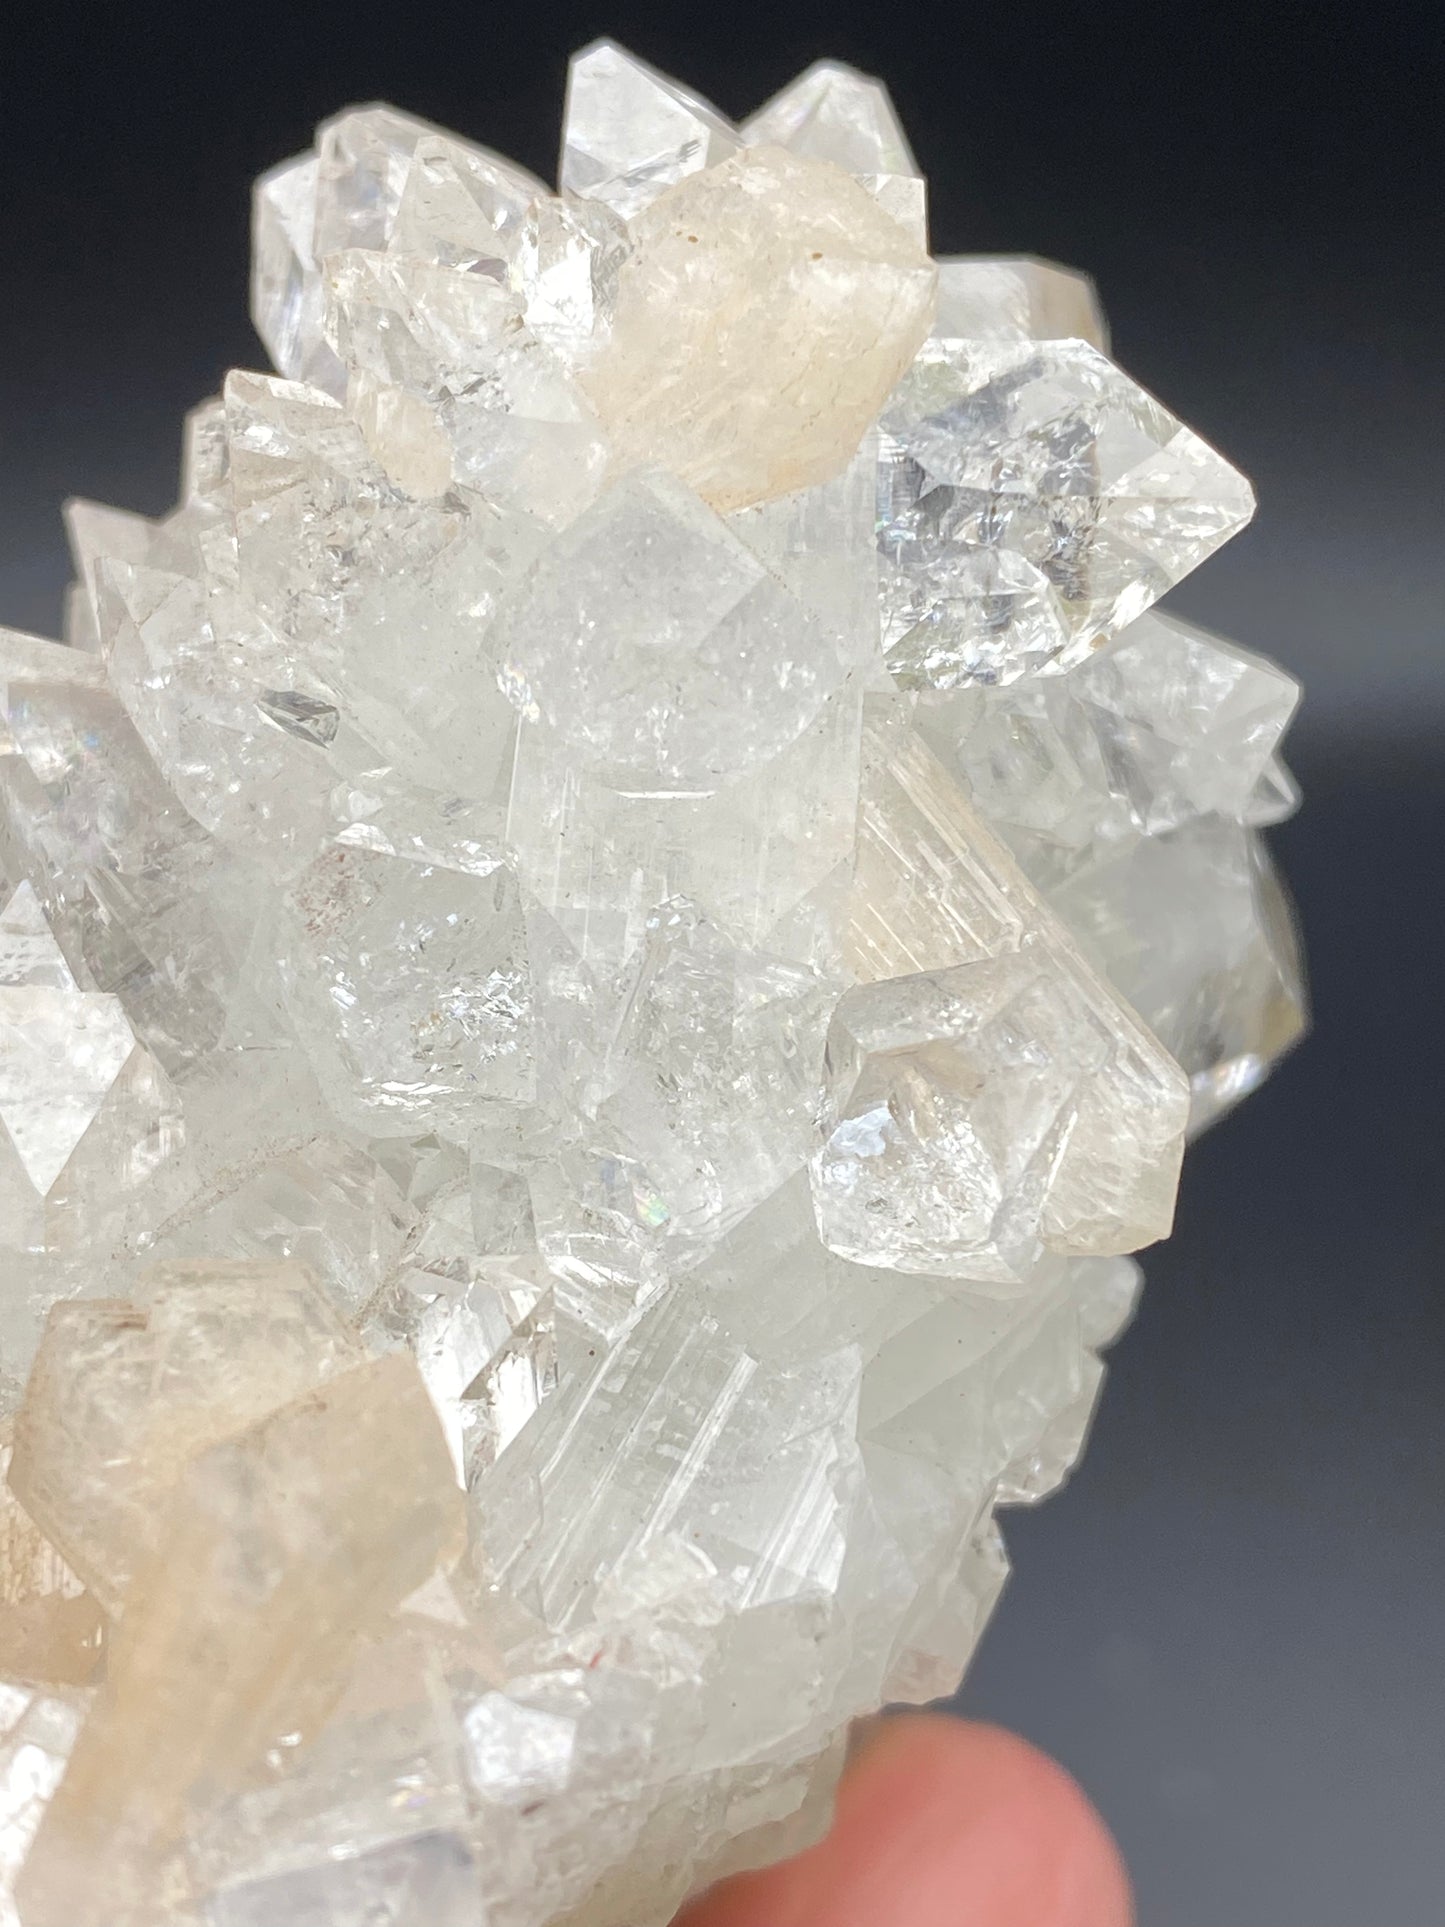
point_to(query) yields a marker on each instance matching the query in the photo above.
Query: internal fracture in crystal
(608, 936)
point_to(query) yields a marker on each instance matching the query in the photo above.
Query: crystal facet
(765, 310)
(704, 665)
(1032, 501)
(284, 1542)
(629, 133)
(607, 937)
(61, 1048)
(983, 299)
(832, 113)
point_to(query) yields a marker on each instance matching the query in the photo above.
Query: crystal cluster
(609, 935)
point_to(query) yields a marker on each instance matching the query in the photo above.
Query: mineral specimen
(608, 936)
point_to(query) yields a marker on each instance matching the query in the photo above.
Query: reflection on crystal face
(61, 1049)
(1195, 929)
(607, 936)
(482, 1327)
(601, 860)
(448, 385)
(1032, 501)
(1165, 725)
(747, 1467)
(977, 1115)
(1128, 792)
(431, 1878)
(409, 985)
(704, 667)
(376, 176)
(326, 1205)
(832, 113)
(629, 133)
(308, 717)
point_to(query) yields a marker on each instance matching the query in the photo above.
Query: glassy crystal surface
(360, 188)
(327, 1205)
(980, 1055)
(431, 1879)
(1167, 724)
(565, 272)
(1194, 928)
(833, 113)
(702, 666)
(481, 1324)
(1131, 792)
(405, 970)
(607, 937)
(601, 860)
(1032, 501)
(448, 385)
(61, 1048)
(381, 595)
(629, 133)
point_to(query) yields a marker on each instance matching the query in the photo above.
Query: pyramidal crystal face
(608, 937)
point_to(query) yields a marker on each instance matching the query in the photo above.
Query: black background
(1230, 1628)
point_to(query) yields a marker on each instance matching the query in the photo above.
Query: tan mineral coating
(768, 307)
(123, 1394)
(280, 1546)
(51, 1629)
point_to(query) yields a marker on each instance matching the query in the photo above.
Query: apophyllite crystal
(609, 936)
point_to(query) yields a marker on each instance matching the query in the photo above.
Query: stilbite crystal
(607, 936)
(763, 313)
(123, 1394)
(276, 1549)
(51, 1629)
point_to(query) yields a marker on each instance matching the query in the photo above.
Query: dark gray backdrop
(1229, 1627)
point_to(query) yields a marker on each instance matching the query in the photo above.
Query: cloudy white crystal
(606, 937)
(701, 666)
(981, 298)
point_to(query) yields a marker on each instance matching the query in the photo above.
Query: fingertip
(941, 1820)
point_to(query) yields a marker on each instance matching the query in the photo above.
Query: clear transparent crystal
(1032, 501)
(629, 133)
